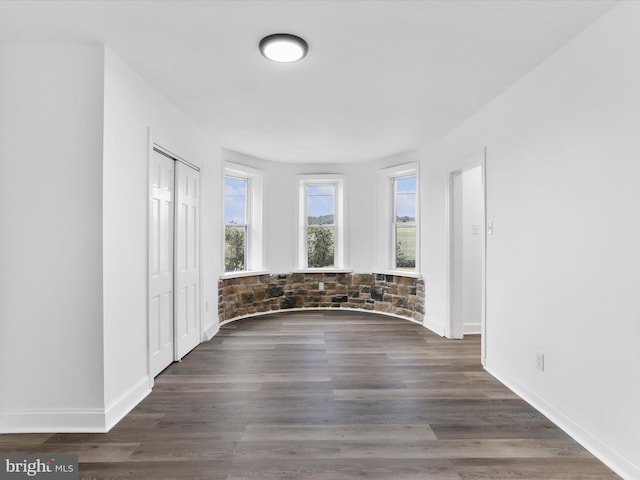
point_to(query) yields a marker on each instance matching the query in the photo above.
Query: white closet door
(187, 264)
(161, 261)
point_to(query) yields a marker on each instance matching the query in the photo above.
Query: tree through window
(236, 223)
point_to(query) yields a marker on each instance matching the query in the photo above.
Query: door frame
(154, 146)
(473, 161)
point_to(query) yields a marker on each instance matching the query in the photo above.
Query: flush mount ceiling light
(283, 47)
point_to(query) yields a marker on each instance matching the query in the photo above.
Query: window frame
(394, 223)
(253, 218)
(386, 220)
(245, 226)
(338, 181)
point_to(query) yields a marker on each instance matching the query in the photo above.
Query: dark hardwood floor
(327, 396)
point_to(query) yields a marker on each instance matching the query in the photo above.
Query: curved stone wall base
(249, 295)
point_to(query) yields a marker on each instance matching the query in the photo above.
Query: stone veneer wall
(248, 295)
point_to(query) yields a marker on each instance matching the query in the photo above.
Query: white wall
(51, 240)
(472, 250)
(136, 114)
(75, 131)
(562, 190)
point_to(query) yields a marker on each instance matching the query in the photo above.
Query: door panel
(161, 259)
(187, 259)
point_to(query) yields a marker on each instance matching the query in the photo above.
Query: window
(236, 228)
(398, 230)
(242, 219)
(404, 223)
(321, 243)
(321, 226)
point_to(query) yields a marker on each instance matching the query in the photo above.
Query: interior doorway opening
(467, 251)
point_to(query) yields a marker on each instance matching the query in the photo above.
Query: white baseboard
(612, 459)
(53, 421)
(472, 328)
(94, 420)
(125, 403)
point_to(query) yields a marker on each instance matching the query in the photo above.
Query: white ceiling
(381, 77)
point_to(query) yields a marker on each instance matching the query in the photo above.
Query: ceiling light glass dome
(283, 47)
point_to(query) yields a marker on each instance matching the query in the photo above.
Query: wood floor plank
(341, 469)
(339, 433)
(87, 452)
(327, 396)
(532, 469)
(22, 439)
(486, 448)
(157, 470)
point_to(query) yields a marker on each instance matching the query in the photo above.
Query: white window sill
(323, 270)
(250, 273)
(399, 273)
(243, 273)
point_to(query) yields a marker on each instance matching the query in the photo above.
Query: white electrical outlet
(540, 361)
(320, 285)
(206, 306)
